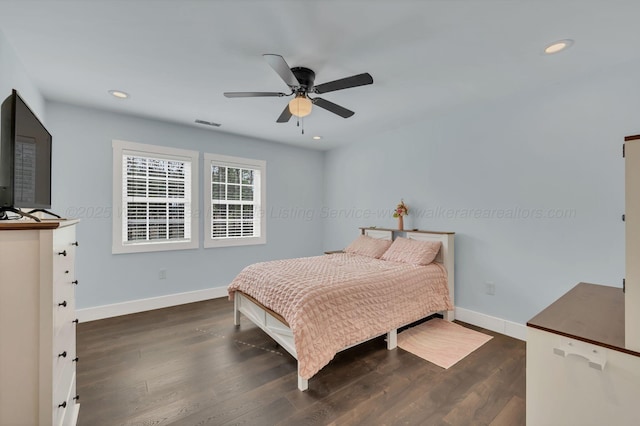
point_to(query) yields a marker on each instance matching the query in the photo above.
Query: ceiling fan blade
(285, 116)
(344, 83)
(252, 94)
(334, 108)
(280, 66)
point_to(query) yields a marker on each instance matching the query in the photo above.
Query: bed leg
(303, 384)
(236, 310)
(392, 339)
(448, 315)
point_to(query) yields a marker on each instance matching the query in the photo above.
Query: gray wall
(558, 148)
(82, 170)
(14, 76)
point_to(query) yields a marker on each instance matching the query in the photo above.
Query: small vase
(400, 223)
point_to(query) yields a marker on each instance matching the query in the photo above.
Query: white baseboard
(499, 325)
(141, 305)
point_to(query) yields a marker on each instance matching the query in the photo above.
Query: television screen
(25, 157)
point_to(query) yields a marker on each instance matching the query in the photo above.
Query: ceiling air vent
(208, 123)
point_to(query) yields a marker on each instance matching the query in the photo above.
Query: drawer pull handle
(63, 354)
(76, 398)
(66, 272)
(74, 282)
(76, 359)
(75, 321)
(63, 304)
(595, 359)
(62, 253)
(63, 405)
(75, 244)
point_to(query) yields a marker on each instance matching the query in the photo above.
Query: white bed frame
(283, 335)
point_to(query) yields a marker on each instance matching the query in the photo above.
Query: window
(234, 200)
(154, 189)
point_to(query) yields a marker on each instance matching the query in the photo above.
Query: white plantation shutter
(235, 209)
(236, 200)
(154, 191)
(155, 201)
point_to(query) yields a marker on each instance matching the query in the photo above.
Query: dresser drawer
(64, 290)
(63, 267)
(64, 239)
(64, 402)
(63, 281)
(63, 314)
(62, 382)
(64, 353)
(63, 261)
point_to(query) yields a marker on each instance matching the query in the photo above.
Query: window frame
(236, 162)
(121, 148)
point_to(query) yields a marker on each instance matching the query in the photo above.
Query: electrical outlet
(490, 288)
(162, 275)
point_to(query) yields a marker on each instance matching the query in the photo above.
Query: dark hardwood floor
(189, 365)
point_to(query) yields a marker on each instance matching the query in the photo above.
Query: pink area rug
(441, 342)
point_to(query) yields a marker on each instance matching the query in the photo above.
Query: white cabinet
(578, 369)
(632, 241)
(37, 323)
(568, 390)
(583, 351)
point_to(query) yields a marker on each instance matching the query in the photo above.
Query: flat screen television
(25, 159)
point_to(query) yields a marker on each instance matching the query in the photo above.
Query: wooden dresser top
(588, 312)
(19, 225)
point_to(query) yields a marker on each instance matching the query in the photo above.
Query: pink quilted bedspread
(338, 300)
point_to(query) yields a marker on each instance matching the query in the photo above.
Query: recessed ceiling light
(119, 94)
(317, 138)
(558, 46)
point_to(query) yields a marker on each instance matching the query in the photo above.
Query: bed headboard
(382, 234)
(446, 256)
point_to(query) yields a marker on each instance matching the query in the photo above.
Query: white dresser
(37, 323)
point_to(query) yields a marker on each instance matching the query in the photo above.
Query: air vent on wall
(208, 123)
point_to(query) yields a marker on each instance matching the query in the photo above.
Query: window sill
(232, 242)
(153, 247)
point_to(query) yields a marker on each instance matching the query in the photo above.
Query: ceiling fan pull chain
(303, 125)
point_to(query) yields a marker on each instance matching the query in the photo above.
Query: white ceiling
(177, 57)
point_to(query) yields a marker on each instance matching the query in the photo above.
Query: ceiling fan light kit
(300, 106)
(301, 83)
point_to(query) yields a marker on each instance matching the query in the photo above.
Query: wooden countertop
(589, 312)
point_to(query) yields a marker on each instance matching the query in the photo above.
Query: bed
(315, 307)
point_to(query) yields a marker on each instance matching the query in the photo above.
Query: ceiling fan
(301, 82)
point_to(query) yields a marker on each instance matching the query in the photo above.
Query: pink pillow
(413, 252)
(368, 246)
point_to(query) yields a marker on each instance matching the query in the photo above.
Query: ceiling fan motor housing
(305, 77)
